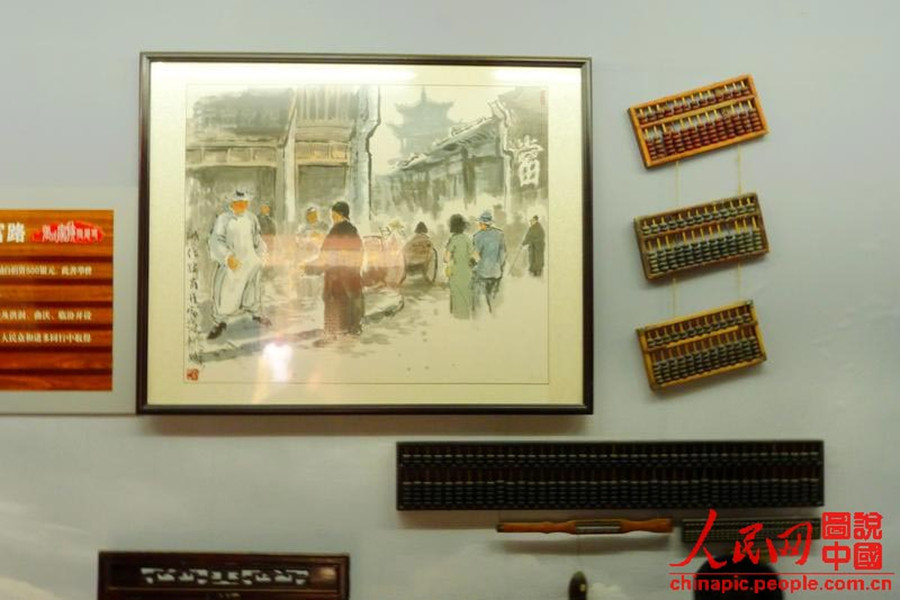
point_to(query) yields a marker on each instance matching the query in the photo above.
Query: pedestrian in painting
(237, 247)
(309, 235)
(267, 226)
(490, 259)
(458, 257)
(268, 230)
(420, 255)
(311, 227)
(341, 259)
(307, 241)
(535, 241)
(420, 236)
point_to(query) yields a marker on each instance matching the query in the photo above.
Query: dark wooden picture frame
(240, 153)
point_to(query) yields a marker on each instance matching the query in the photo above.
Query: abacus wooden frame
(712, 337)
(574, 399)
(635, 113)
(754, 212)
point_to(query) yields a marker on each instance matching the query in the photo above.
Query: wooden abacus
(714, 116)
(703, 235)
(701, 345)
(688, 474)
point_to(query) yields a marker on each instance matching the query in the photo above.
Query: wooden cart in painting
(421, 257)
(389, 262)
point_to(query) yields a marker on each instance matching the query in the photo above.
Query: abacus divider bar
(713, 205)
(746, 78)
(675, 117)
(693, 228)
(707, 313)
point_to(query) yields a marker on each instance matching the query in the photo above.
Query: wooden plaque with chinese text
(220, 576)
(56, 299)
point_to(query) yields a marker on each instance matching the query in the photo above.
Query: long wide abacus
(721, 231)
(701, 345)
(702, 119)
(609, 475)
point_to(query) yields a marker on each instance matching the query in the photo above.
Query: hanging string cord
(740, 187)
(674, 296)
(677, 183)
(677, 204)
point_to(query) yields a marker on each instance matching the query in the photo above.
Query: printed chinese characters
(153, 576)
(796, 543)
(838, 526)
(15, 233)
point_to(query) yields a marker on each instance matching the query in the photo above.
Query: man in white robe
(237, 247)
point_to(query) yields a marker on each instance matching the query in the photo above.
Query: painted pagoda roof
(423, 106)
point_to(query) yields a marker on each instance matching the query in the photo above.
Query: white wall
(828, 296)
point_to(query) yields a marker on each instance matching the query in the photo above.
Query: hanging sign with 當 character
(56, 297)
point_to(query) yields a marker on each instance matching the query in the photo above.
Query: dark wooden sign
(220, 576)
(56, 299)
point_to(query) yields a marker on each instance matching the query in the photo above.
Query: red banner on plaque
(56, 296)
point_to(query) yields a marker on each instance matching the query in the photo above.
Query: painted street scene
(366, 234)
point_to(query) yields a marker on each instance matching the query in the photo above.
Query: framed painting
(364, 234)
